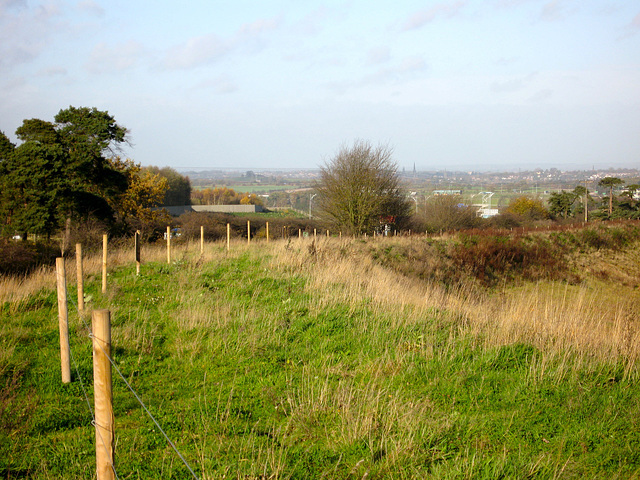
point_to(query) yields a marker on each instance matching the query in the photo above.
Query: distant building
(447, 192)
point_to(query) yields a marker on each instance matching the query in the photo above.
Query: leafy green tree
(35, 190)
(610, 183)
(359, 187)
(61, 170)
(6, 147)
(628, 206)
(561, 203)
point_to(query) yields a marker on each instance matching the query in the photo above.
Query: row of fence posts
(102, 382)
(228, 243)
(101, 336)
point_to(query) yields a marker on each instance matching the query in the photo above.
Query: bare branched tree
(359, 187)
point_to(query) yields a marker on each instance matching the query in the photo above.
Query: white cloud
(117, 58)
(195, 52)
(421, 18)
(407, 69)
(92, 8)
(26, 32)
(378, 55)
(52, 71)
(205, 49)
(222, 85)
(313, 23)
(512, 84)
(554, 10)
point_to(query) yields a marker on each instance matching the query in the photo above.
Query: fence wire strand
(175, 449)
(93, 421)
(86, 396)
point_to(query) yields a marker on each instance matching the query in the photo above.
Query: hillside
(474, 356)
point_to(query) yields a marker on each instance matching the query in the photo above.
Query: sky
(480, 85)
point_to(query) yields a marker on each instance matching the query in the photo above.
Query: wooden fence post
(169, 245)
(248, 232)
(80, 277)
(267, 227)
(137, 245)
(103, 397)
(299, 233)
(63, 320)
(228, 236)
(314, 233)
(201, 239)
(104, 263)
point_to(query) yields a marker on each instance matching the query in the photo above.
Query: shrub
(18, 257)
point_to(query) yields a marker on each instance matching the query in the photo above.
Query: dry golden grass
(555, 317)
(595, 319)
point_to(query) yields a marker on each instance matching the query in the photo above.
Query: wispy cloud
(25, 32)
(552, 11)
(423, 17)
(407, 68)
(312, 23)
(196, 51)
(378, 55)
(92, 8)
(635, 23)
(117, 58)
(7, 4)
(222, 85)
(52, 72)
(206, 49)
(512, 84)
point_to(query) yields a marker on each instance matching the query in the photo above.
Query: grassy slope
(288, 362)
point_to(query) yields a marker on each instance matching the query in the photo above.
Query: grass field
(332, 359)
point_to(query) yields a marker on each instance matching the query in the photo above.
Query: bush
(18, 257)
(492, 258)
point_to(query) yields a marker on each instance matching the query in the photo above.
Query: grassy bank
(336, 359)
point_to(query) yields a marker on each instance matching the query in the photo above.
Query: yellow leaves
(145, 191)
(224, 196)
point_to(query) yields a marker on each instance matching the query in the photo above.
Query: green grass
(255, 374)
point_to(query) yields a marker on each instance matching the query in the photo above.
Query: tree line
(70, 170)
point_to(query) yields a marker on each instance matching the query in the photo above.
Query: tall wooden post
(248, 232)
(101, 327)
(314, 233)
(267, 226)
(63, 320)
(299, 233)
(228, 236)
(169, 245)
(104, 263)
(327, 233)
(137, 245)
(80, 277)
(201, 239)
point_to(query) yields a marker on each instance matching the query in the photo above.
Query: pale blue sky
(460, 84)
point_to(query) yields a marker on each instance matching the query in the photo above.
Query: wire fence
(131, 389)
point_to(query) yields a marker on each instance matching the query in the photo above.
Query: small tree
(358, 187)
(561, 203)
(447, 212)
(610, 183)
(528, 208)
